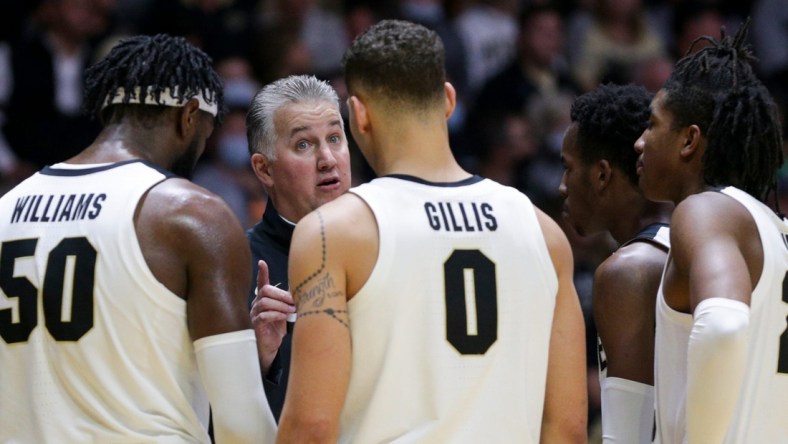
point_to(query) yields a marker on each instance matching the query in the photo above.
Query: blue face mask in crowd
(233, 150)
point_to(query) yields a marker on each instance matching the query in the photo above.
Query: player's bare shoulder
(179, 223)
(347, 230)
(178, 200)
(707, 220)
(632, 260)
(630, 275)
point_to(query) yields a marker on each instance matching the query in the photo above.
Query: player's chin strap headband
(167, 97)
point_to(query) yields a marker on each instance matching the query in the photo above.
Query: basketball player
(713, 147)
(123, 302)
(455, 292)
(600, 191)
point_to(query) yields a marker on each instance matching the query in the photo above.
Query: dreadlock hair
(717, 89)
(609, 120)
(152, 63)
(400, 62)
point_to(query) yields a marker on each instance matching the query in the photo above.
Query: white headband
(167, 98)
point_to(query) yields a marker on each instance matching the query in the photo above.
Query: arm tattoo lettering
(313, 292)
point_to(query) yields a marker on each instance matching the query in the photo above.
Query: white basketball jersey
(761, 414)
(93, 348)
(451, 331)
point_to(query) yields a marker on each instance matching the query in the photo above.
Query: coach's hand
(270, 309)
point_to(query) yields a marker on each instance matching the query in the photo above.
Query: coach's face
(312, 164)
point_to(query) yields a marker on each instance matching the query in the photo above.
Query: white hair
(260, 130)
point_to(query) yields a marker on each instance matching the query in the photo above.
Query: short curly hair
(397, 61)
(609, 120)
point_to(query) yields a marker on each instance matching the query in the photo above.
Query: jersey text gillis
(57, 208)
(460, 216)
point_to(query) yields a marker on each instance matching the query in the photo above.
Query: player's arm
(321, 359)
(624, 294)
(332, 254)
(566, 399)
(199, 251)
(716, 250)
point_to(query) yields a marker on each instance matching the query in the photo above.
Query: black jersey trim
(461, 183)
(68, 172)
(647, 234)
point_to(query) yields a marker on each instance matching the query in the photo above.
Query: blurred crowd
(516, 64)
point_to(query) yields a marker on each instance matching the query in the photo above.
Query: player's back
(451, 331)
(93, 348)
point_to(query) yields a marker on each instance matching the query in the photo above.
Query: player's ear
(188, 119)
(451, 98)
(359, 115)
(262, 169)
(603, 172)
(692, 141)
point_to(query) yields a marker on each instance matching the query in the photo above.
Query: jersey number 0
(469, 282)
(74, 256)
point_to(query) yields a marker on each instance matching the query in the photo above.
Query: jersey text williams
(57, 208)
(460, 216)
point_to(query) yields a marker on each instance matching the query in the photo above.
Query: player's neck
(424, 154)
(117, 143)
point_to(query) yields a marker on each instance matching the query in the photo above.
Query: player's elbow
(307, 430)
(720, 324)
(565, 430)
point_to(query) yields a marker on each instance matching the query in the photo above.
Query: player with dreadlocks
(122, 285)
(713, 147)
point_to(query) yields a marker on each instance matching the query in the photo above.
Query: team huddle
(433, 305)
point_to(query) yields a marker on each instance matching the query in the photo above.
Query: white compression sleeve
(716, 363)
(627, 411)
(230, 372)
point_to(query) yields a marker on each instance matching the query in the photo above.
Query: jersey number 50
(74, 255)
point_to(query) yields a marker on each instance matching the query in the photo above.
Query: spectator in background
(488, 29)
(225, 168)
(770, 36)
(509, 145)
(653, 72)
(222, 28)
(537, 73)
(319, 29)
(692, 19)
(549, 117)
(538, 69)
(616, 39)
(44, 124)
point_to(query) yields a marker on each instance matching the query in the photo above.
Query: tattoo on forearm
(313, 292)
